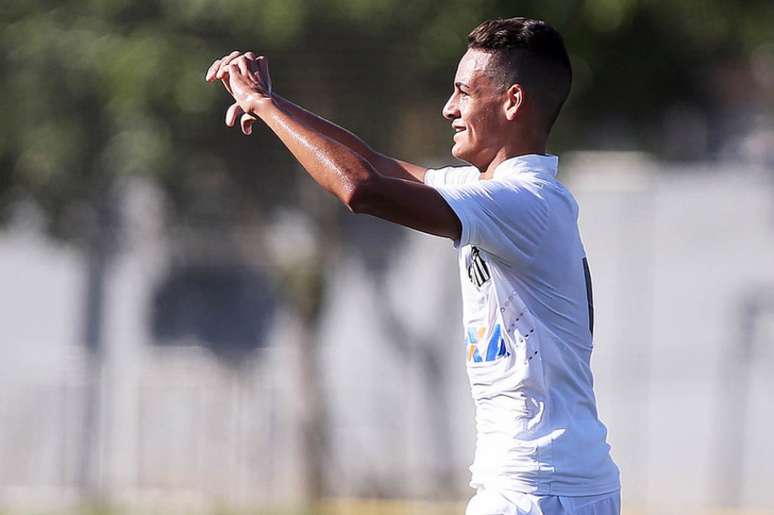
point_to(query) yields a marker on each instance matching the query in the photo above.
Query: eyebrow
(461, 85)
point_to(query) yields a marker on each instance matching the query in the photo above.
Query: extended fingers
(242, 63)
(246, 69)
(210, 75)
(215, 67)
(246, 63)
(222, 69)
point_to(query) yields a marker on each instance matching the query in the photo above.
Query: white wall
(683, 373)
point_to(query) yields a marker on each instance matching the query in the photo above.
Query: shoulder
(534, 183)
(540, 189)
(451, 175)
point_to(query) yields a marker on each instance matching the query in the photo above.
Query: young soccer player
(528, 312)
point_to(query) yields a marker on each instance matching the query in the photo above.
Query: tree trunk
(99, 230)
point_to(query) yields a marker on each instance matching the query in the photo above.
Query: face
(475, 110)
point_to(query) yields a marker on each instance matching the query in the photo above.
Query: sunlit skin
(362, 179)
(492, 123)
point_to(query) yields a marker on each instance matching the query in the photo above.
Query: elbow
(360, 197)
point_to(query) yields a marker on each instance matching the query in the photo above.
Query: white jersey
(528, 322)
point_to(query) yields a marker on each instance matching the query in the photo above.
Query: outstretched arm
(339, 169)
(386, 165)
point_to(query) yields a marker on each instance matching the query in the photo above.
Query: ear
(514, 98)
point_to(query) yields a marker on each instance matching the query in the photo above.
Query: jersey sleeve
(507, 218)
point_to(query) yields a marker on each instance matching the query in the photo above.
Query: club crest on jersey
(478, 271)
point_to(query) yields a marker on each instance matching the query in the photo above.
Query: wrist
(259, 104)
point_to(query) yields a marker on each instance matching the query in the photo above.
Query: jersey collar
(536, 163)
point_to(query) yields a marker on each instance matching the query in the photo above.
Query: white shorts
(491, 502)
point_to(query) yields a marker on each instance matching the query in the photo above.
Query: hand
(246, 77)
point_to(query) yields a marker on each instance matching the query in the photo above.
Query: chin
(460, 153)
(457, 149)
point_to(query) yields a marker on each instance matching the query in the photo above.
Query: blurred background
(189, 325)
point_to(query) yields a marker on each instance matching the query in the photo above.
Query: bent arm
(385, 165)
(359, 184)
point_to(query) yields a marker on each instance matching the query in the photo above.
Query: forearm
(385, 165)
(325, 127)
(324, 151)
(338, 168)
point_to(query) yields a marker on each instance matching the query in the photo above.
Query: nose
(450, 110)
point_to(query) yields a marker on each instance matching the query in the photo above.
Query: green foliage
(97, 89)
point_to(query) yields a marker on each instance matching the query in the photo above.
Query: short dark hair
(531, 53)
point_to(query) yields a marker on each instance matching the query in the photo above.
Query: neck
(512, 150)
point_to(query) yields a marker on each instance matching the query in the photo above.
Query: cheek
(484, 121)
(476, 125)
